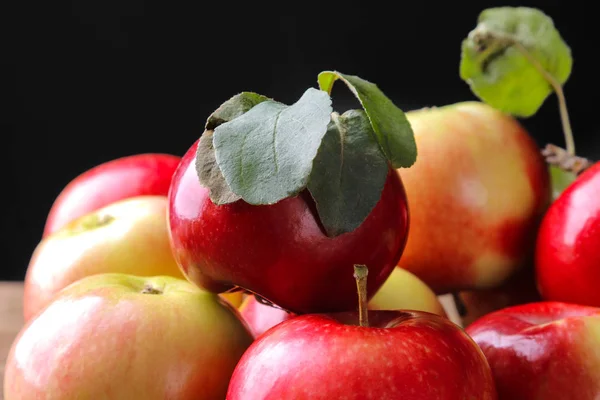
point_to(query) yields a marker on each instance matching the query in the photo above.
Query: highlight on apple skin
(476, 195)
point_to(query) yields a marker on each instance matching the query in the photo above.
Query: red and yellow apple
(128, 236)
(542, 350)
(118, 179)
(476, 195)
(409, 355)
(116, 336)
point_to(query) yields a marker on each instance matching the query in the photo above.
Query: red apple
(128, 236)
(400, 355)
(476, 195)
(568, 244)
(520, 288)
(281, 251)
(135, 175)
(125, 337)
(260, 317)
(542, 350)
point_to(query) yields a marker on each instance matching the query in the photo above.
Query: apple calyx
(562, 159)
(90, 222)
(262, 151)
(151, 289)
(360, 274)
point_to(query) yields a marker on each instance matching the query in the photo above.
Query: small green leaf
(560, 180)
(267, 153)
(207, 168)
(392, 129)
(512, 56)
(349, 173)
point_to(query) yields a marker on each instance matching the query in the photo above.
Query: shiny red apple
(118, 179)
(281, 251)
(401, 355)
(568, 244)
(542, 350)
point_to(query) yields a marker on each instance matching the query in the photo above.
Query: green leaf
(392, 129)
(348, 174)
(560, 180)
(207, 168)
(267, 153)
(511, 57)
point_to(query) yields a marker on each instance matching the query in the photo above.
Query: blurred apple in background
(128, 236)
(476, 195)
(520, 288)
(260, 317)
(129, 176)
(124, 337)
(542, 350)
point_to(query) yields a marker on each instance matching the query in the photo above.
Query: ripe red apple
(281, 251)
(568, 244)
(127, 236)
(476, 195)
(520, 288)
(400, 355)
(543, 350)
(129, 176)
(125, 337)
(401, 291)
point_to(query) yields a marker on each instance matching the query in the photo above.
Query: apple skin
(401, 355)
(520, 288)
(404, 291)
(568, 244)
(401, 291)
(280, 251)
(128, 236)
(118, 179)
(477, 193)
(543, 350)
(103, 337)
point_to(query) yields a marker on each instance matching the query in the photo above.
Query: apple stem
(360, 274)
(561, 158)
(461, 308)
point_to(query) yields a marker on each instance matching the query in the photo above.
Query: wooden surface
(11, 319)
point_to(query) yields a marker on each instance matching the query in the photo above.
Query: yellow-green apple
(476, 194)
(128, 236)
(401, 291)
(542, 350)
(118, 179)
(520, 288)
(405, 291)
(117, 336)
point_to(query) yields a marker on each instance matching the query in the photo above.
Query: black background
(91, 81)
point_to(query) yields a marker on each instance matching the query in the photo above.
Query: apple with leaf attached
(283, 200)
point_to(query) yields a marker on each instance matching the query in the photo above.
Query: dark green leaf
(510, 57)
(206, 166)
(392, 129)
(267, 153)
(348, 174)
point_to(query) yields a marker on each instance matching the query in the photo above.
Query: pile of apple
(295, 253)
